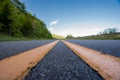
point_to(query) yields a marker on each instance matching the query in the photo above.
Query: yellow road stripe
(107, 66)
(16, 67)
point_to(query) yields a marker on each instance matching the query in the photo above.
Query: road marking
(16, 67)
(107, 66)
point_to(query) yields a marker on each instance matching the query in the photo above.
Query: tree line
(16, 21)
(109, 31)
(105, 33)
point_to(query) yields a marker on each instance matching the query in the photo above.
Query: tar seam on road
(107, 66)
(16, 67)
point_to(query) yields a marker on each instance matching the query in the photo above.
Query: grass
(57, 36)
(6, 37)
(101, 37)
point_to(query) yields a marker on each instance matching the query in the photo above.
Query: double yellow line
(106, 65)
(17, 67)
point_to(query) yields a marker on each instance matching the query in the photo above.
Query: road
(18, 66)
(61, 63)
(111, 47)
(8, 49)
(106, 65)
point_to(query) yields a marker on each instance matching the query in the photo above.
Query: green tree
(69, 37)
(1, 26)
(16, 21)
(5, 9)
(19, 5)
(110, 31)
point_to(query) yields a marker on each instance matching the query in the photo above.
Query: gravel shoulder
(8, 49)
(62, 64)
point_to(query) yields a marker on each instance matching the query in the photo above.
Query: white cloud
(54, 22)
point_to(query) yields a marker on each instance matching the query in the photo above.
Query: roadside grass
(101, 37)
(57, 36)
(6, 37)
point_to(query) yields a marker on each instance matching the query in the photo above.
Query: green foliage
(5, 7)
(115, 36)
(1, 26)
(16, 21)
(19, 5)
(109, 31)
(69, 37)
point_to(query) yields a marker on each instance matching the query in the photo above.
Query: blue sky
(76, 17)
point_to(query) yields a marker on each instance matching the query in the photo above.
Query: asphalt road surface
(62, 64)
(15, 47)
(111, 47)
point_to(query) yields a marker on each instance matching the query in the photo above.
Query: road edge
(17, 67)
(105, 70)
